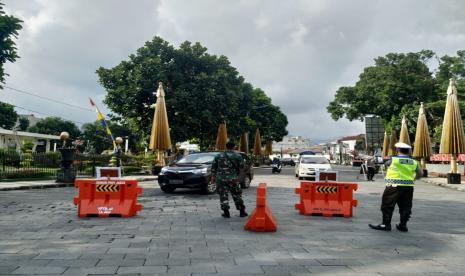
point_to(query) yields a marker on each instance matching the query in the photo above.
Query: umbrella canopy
(160, 135)
(243, 143)
(403, 137)
(392, 142)
(422, 147)
(385, 145)
(257, 146)
(269, 147)
(222, 137)
(452, 138)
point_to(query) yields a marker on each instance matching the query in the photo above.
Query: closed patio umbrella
(243, 143)
(269, 148)
(222, 137)
(160, 140)
(404, 137)
(257, 146)
(422, 147)
(385, 145)
(392, 142)
(452, 137)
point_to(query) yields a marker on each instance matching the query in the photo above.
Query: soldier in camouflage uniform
(225, 171)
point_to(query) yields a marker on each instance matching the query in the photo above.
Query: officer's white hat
(402, 146)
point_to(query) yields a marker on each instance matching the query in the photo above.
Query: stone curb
(37, 186)
(457, 187)
(32, 185)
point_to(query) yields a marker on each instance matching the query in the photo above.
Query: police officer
(399, 181)
(225, 170)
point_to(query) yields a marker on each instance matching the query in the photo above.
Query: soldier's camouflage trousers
(232, 186)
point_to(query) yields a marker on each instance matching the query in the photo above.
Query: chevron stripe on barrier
(326, 199)
(107, 188)
(105, 198)
(326, 189)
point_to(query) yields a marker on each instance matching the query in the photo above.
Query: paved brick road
(183, 234)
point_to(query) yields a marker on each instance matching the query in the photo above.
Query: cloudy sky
(299, 52)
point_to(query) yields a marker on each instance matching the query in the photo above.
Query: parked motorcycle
(276, 168)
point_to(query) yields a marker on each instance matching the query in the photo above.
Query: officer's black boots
(243, 213)
(382, 227)
(226, 213)
(402, 227)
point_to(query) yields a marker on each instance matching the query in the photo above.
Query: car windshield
(199, 158)
(314, 160)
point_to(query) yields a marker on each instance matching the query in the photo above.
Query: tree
(202, 90)
(95, 137)
(451, 67)
(388, 101)
(8, 116)
(9, 27)
(54, 126)
(383, 89)
(23, 123)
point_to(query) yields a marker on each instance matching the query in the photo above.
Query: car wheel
(168, 189)
(246, 183)
(210, 188)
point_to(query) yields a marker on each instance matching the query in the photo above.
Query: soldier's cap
(402, 146)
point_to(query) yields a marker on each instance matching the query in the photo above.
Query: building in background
(30, 117)
(345, 149)
(10, 139)
(290, 147)
(291, 143)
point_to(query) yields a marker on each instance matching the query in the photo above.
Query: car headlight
(200, 171)
(163, 170)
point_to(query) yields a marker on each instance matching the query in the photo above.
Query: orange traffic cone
(261, 219)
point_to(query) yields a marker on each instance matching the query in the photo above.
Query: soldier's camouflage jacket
(226, 166)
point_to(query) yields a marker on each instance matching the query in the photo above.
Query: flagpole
(102, 119)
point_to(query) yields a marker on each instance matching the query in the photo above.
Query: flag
(101, 118)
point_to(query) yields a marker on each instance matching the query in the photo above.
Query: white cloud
(299, 52)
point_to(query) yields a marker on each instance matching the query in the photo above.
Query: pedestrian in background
(370, 165)
(401, 173)
(225, 172)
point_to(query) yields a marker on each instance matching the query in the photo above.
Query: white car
(310, 164)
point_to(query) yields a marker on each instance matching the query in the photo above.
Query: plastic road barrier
(261, 219)
(105, 198)
(326, 198)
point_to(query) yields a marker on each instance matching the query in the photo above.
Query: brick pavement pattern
(184, 234)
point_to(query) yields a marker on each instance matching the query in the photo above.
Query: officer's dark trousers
(370, 173)
(402, 196)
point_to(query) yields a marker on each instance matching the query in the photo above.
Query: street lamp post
(66, 173)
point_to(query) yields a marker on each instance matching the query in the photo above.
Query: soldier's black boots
(402, 227)
(382, 227)
(226, 213)
(243, 213)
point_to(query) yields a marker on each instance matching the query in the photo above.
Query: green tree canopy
(396, 85)
(202, 90)
(9, 27)
(95, 137)
(383, 89)
(8, 116)
(54, 126)
(23, 123)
